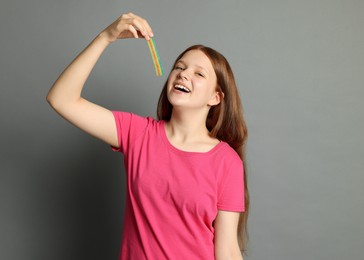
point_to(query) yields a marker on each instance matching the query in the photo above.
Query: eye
(178, 67)
(200, 74)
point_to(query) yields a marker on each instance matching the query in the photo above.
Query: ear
(216, 98)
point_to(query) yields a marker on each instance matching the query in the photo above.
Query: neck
(187, 125)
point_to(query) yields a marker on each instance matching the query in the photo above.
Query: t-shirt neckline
(182, 152)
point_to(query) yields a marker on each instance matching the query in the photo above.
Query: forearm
(65, 94)
(69, 85)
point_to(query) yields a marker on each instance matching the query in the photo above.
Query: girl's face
(192, 82)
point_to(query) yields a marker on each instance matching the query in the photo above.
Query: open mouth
(182, 88)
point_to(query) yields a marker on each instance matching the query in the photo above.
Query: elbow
(61, 104)
(50, 100)
(55, 102)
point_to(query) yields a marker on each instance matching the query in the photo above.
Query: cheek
(207, 87)
(171, 77)
(169, 82)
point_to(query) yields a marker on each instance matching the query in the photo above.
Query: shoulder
(122, 116)
(228, 153)
(225, 160)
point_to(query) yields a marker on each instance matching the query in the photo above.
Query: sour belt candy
(156, 60)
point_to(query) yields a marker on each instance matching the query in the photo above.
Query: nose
(183, 75)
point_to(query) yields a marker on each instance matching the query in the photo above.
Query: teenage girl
(187, 194)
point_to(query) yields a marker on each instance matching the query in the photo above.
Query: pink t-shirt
(173, 196)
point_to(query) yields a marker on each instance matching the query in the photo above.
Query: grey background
(299, 67)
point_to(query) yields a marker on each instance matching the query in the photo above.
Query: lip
(181, 84)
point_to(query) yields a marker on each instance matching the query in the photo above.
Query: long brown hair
(225, 121)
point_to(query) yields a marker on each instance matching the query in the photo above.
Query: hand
(128, 26)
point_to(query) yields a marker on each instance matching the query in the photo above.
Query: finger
(132, 29)
(146, 26)
(130, 14)
(139, 24)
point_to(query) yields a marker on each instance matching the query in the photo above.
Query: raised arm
(65, 94)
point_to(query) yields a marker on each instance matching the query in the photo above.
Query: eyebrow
(198, 66)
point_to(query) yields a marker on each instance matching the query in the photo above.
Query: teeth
(183, 88)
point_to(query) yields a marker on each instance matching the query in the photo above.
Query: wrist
(103, 39)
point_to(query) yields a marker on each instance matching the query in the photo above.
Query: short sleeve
(128, 127)
(231, 190)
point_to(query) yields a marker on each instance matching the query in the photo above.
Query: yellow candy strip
(156, 60)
